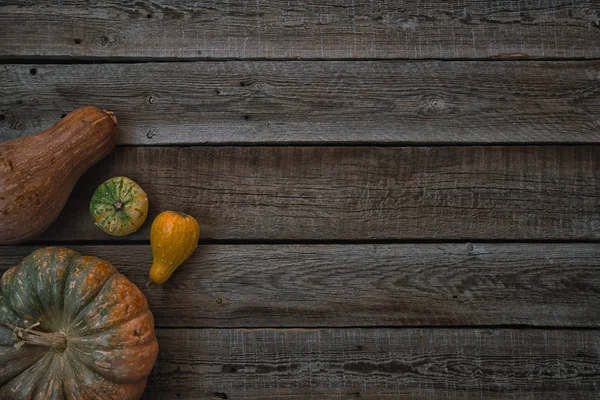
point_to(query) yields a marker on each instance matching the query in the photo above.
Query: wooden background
(398, 199)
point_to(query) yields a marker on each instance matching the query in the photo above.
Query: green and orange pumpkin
(119, 206)
(72, 327)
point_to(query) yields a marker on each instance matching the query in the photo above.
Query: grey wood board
(314, 102)
(300, 29)
(471, 284)
(376, 363)
(356, 193)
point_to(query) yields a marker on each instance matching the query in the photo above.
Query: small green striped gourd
(119, 206)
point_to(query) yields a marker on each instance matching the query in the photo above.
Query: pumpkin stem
(55, 340)
(118, 205)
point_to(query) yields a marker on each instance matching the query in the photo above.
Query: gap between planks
(8, 60)
(312, 328)
(275, 242)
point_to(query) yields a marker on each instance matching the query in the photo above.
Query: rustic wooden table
(398, 199)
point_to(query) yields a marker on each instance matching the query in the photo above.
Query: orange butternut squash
(38, 171)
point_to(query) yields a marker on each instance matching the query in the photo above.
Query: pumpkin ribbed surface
(95, 331)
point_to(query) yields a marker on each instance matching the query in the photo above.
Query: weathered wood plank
(356, 193)
(377, 363)
(366, 285)
(297, 102)
(300, 29)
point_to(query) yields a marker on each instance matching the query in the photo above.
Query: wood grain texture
(300, 102)
(300, 29)
(400, 364)
(366, 285)
(356, 193)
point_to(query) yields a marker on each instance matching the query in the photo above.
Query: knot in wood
(433, 104)
(19, 126)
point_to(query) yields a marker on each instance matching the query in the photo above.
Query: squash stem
(55, 340)
(111, 115)
(149, 283)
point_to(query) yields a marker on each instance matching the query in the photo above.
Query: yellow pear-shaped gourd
(173, 238)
